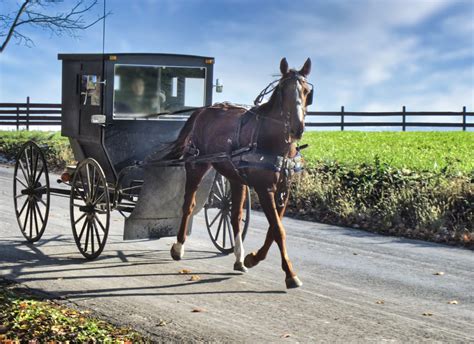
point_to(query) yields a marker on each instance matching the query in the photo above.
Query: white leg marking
(239, 248)
(178, 248)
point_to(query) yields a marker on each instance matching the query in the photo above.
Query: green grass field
(420, 151)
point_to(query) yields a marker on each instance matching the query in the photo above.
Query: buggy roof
(93, 56)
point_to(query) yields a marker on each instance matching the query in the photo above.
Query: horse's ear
(306, 68)
(284, 66)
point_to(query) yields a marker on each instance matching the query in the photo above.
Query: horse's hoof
(293, 282)
(239, 266)
(177, 251)
(250, 260)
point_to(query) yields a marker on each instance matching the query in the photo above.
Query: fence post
(342, 118)
(464, 118)
(404, 118)
(27, 113)
(17, 118)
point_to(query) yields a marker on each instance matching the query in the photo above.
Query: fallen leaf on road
(195, 278)
(184, 271)
(380, 302)
(162, 323)
(427, 314)
(440, 273)
(198, 310)
(285, 335)
(453, 302)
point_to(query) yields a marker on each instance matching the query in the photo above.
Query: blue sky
(367, 55)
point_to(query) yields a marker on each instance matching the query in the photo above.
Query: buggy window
(142, 91)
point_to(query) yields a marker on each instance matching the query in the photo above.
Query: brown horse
(270, 132)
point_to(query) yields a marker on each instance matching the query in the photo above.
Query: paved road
(358, 287)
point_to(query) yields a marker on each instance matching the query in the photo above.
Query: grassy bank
(55, 147)
(412, 184)
(27, 318)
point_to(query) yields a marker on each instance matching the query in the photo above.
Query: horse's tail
(175, 149)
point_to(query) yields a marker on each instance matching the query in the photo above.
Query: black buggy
(117, 109)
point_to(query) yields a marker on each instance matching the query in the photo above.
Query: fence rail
(404, 119)
(24, 115)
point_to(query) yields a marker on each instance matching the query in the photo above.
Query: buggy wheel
(31, 191)
(217, 212)
(90, 208)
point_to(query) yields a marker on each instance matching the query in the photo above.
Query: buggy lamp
(219, 87)
(66, 177)
(98, 119)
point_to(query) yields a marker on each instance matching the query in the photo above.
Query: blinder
(309, 98)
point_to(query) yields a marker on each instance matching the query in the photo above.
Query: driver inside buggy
(139, 96)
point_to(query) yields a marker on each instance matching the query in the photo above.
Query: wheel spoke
(80, 193)
(28, 165)
(100, 224)
(92, 235)
(229, 227)
(39, 199)
(31, 220)
(19, 180)
(95, 186)
(224, 231)
(219, 189)
(99, 199)
(36, 219)
(84, 185)
(215, 218)
(94, 223)
(20, 163)
(86, 245)
(39, 174)
(19, 196)
(218, 229)
(218, 197)
(80, 218)
(23, 207)
(39, 212)
(88, 177)
(34, 164)
(82, 230)
(26, 217)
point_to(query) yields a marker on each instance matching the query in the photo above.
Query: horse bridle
(274, 84)
(286, 117)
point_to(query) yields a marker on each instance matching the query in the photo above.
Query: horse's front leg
(254, 258)
(194, 175)
(238, 199)
(267, 201)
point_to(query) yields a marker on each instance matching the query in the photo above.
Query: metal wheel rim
(222, 237)
(31, 190)
(90, 208)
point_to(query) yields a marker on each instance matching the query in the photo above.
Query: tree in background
(35, 13)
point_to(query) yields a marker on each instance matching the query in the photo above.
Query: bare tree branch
(35, 13)
(13, 26)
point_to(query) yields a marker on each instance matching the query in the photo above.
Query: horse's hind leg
(194, 175)
(267, 200)
(238, 199)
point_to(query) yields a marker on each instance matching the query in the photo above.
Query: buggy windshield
(141, 91)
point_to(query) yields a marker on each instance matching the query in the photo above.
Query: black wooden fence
(24, 115)
(403, 119)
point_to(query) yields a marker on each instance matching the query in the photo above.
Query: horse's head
(296, 95)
